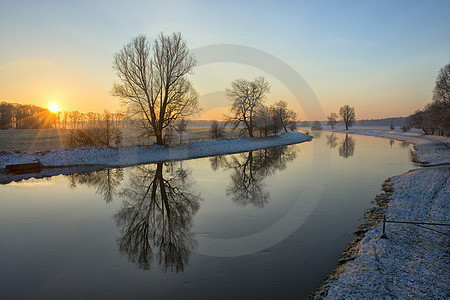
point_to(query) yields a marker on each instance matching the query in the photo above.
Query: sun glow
(53, 107)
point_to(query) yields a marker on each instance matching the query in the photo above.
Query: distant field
(54, 139)
(32, 139)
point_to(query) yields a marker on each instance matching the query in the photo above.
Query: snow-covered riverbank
(429, 149)
(134, 155)
(413, 262)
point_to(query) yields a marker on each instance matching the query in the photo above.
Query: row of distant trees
(13, 115)
(79, 120)
(434, 118)
(25, 116)
(101, 131)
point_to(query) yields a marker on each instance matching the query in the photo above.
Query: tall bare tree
(246, 96)
(332, 120)
(153, 81)
(347, 114)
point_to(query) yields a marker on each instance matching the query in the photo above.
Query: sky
(381, 57)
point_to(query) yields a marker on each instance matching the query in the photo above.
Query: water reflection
(316, 133)
(332, 141)
(347, 147)
(217, 162)
(156, 216)
(404, 144)
(248, 171)
(105, 182)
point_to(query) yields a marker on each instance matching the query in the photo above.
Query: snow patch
(413, 262)
(133, 155)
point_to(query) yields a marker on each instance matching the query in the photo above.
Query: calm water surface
(265, 224)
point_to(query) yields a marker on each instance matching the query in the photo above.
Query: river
(264, 224)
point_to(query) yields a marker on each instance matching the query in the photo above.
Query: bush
(217, 131)
(316, 126)
(406, 128)
(94, 137)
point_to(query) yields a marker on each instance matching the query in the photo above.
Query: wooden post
(383, 235)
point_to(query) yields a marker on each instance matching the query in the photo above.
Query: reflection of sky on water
(63, 232)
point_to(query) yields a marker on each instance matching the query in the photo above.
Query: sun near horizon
(53, 107)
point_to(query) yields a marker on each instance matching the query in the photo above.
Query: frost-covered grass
(412, 262)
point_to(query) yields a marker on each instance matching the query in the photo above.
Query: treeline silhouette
(25, 116)
(435, 117)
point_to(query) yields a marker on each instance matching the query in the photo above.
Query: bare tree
(153, 81)
(332, 120)
(65, 119)
(216, 131)
(181, 127)
(109, 132)
(263, 120)
(282, 114)
(441, 92)
(246, 96)
(347, 114)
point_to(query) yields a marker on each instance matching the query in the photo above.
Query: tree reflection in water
(404, 144)
(332, 141)
(156, 216)
(248, 171)
(391, 142)
(347, 147)
(105, 182)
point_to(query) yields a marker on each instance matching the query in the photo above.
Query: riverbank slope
(412, 262)
(52, 162)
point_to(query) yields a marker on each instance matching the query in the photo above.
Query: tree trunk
(159, 139)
